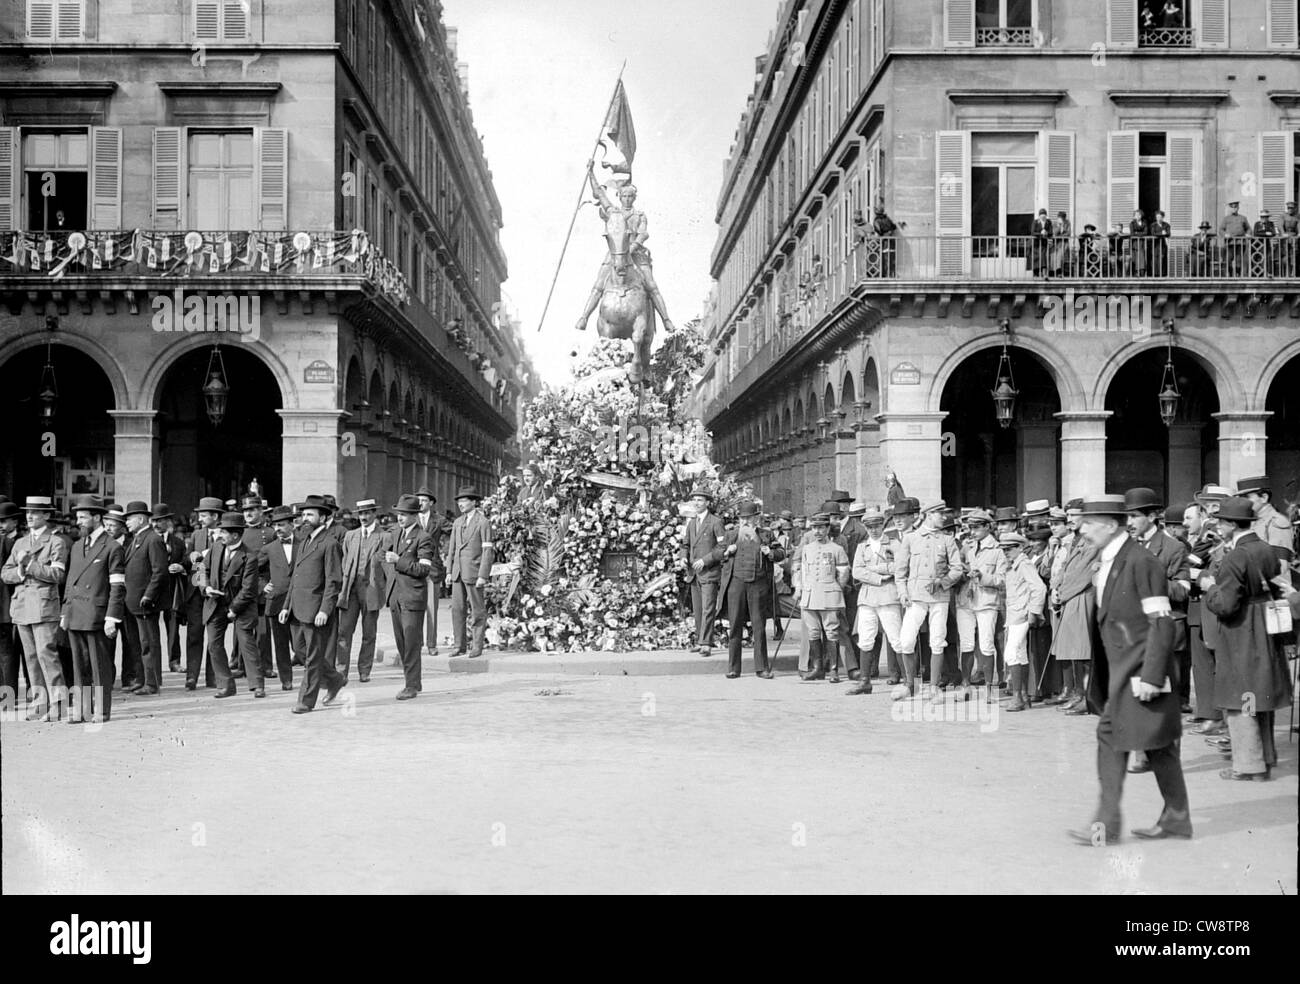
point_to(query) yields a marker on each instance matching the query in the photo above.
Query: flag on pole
(619, 138)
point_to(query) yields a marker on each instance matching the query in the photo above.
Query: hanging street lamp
(1169, 396)
(1004, 391)
(216, 391)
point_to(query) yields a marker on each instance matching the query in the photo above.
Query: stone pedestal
(1242, 440)
(1083, 453)
(310, 451)
(135, 449)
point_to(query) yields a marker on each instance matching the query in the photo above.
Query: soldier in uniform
(1025, 596)
(1290, 240)
(36, 568)
(93, 609)
(979, 599)
(927, 564)
(1234, 235)
(877, 607)
(821, 570)
(748, 555)
(1270, 525)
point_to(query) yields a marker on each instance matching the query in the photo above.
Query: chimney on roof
(462, 73)
(451, 41)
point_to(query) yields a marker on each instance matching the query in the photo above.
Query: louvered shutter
(1276, 164)
(273, 178)
(71, 19)
(959, 23)
(168, 176)
(40, 20)
(952, 201)
(9, 171)
(1185, 153)
(234, 20)
(1282, 16)
(1121, 23)
(1121, 176)
(105, 177)
(207, 20)
(1056, 172)
(1212, 24)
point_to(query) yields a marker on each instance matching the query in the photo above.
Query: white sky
(540, 76)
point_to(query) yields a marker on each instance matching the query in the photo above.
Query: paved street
(508, 783)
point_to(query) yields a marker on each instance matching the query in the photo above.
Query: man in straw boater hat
(311, 608)
(408, 563)
(146, 586)
(37, 566)
(821, 569)
(701, 557)
(93, 608)
(231, 576)
(1250, 677)
(469, 568)
(749, 554)
(362, 594)
(1130, 682)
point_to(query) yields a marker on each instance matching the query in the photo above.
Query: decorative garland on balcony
(153, 252)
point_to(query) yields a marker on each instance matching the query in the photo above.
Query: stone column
(377, 464)
(912, 444)
(1036, 462)
(135, 453)
(1185, 461)
(846, 463)
(808, 497)
(1083, 452)
(1241, 445)
(309, 453)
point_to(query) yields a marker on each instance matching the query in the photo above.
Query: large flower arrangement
(615, 467)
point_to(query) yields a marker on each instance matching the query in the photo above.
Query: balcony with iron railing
(1004, 37)
(885, 270)
(1166, 37)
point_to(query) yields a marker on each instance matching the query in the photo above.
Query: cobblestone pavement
(502, 783)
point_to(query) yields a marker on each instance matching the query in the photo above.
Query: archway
(197, 458)
(1176, 460)
(1283, 430)
(74, 454)
(985, 464)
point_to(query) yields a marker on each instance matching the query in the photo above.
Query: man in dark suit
(469, 565)
(851, 534)
(231, 596)
(312, 605)
(146, 591)
(362, 594)
(702, 556)
(172, 603)
(115, 527)
(408, 562)
(275, 568)
(9, 648)
(1131, 684)
(748, 554)
(437, 527)
(196, 643)
(92, 610)
(257, 534)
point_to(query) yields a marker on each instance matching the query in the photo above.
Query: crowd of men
(1029, 599)
(253, 593)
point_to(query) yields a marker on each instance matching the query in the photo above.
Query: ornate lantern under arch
(1004, 391)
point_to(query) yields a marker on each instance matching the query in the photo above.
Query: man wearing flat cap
(701, 557)
(1130, 683)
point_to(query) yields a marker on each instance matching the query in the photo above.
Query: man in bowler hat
(93, 609)
(469, 565)
(311, 606)
(408, 562)
(437, 528)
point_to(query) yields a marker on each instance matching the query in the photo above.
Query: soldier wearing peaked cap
(927, 564)
(878, 610)
(1130, 684)
(821, 569)
(979, 599)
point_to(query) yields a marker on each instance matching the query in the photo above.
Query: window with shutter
(106, 177)
(71, 20)
(1184, 149)
(234, 20)
(1121, 176)
(1056, 173)
(273, 178)
(9, 171)
(952, 201)
(1211, 24)
(959, 23)
(1282, 22)
(1121, 23)
(40, 20)
(168, 165)
(207, 20)
(1276, 170)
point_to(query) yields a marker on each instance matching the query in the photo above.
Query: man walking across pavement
(408, 562)
(36, 568)
(196, 641)
(749, 554)
(821, 569)
(469, 565)
(146, 587)
(93, 609)
(231, 597)
(437, 527)
(362, 594)
(1129, 685)
(275, 568)
(927, 564)
(311, 606)
(703, 556)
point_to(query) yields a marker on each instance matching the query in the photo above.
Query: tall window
(56, 20)
(221, 180)
(1004, 22)
(1165, 24)
(1002, 188)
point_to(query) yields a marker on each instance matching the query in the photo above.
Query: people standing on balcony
(885, 229)
(1138, 231)
(1263, 254)
(1203, 251)
(1040, 247)
(1234, 231)
(1290, 240)
(1061, 247)
(1159, 232)
(1171, 15)
(1116, 244)
(1090, 256)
